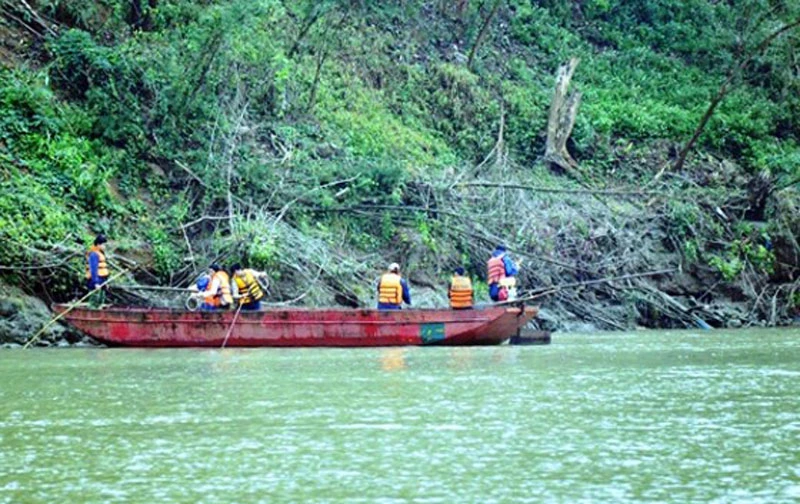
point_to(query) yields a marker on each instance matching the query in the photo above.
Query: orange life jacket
(223, 295)
(102, 266)
(249, 289)
(390, 290)
(460, 292)
(496, 270)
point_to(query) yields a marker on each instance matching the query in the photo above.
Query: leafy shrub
(729, 266)
(55, 183)
(166, 255)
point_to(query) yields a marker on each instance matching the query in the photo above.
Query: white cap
(394, 267)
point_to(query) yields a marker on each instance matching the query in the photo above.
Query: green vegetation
(317, 139)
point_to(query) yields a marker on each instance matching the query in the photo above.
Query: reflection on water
(461, 357)
(393, 359)
(672, 416)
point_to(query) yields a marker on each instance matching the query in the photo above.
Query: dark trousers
(98, 297)
(252, 306)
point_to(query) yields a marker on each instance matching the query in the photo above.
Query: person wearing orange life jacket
(393, 290)
(460, 292)
(97, 271)
(501, 275)
(218, 292)
(248, 289)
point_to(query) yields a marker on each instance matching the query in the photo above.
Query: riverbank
(423, 133)
(22, 316)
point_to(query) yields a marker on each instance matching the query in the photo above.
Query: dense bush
(54, 181)
(265, 102)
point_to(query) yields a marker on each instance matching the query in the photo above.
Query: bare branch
(725, 89)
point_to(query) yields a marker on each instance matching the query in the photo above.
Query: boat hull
(298, 327)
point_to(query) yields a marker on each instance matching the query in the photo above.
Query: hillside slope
(322, 140)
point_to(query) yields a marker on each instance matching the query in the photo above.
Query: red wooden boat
(299, 327)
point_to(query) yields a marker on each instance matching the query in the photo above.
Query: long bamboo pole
(556, 288)
(155, 288)
(75, 305)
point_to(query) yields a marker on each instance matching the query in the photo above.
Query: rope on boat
(230, 329)
(76, 304)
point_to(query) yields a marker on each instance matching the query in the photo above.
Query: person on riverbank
(247, 287)
(393, 289)
(501, 275)
(217, 295)
(97, 271)
(460, 292)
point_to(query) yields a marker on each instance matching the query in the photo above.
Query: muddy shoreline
(23, 315)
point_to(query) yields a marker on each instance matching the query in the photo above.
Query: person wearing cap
(393, 289)
(460, 292)
(197, 297)
(501, 275)
(217, 295)
(97, 271)
(248, 290)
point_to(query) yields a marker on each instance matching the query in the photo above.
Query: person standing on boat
(248, 289)
(218, 292)
(393, 290)
(97, 271)
(460, 292)
(501, 275)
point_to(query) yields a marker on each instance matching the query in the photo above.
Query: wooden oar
(75, 305)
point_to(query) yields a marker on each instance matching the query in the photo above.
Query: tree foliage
(183, 121)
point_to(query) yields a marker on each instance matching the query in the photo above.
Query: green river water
(650, 416)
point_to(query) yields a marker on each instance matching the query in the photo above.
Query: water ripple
(676, 416)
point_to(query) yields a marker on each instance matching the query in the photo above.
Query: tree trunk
(563, 111)
(482, 33)
(140, 16)
(311, 18)
(312, 99)
(461, 8)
